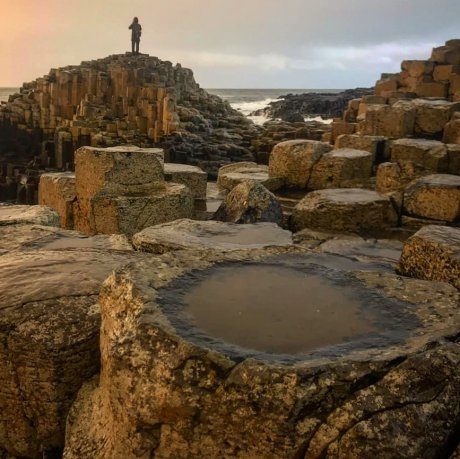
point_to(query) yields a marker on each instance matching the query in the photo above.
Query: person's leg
(137, 46)
(132, 47)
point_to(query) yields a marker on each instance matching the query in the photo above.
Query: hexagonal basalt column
(270, 353)
(351, 209)
(293, 161)
(233, 174)
(433, 253)
(343, 168)
(194, 178)
(57, 190)
(430, 154)
(122, 190)
(435, 197)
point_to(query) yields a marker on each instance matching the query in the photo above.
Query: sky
(230, 43)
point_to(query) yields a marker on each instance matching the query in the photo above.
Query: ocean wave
(246, 108)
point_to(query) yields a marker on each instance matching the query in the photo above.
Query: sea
(245, 101)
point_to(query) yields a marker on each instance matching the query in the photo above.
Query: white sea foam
(246, 108)
(318, 118)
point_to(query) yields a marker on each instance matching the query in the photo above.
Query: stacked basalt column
(119, 190)
(97, 102)
(412, 127)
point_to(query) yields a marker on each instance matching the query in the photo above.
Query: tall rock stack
(421, 101)
(119, 100)
(411, 125)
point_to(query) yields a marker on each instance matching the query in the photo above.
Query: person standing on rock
(136, 31)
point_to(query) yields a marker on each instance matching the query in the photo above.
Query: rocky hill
(121, 99)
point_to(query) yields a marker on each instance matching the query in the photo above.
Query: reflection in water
(276, 309)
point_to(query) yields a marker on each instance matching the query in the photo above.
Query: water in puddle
(276, 309)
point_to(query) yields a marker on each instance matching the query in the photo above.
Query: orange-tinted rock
(293, 161)
(430, 154)
(435, 197)
(57, 190)
(433, 254)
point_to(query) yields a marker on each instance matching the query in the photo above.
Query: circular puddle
(292, 307)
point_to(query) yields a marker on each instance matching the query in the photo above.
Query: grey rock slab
(35, 215)
(209, 235)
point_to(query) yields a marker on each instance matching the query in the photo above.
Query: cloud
(311, 58)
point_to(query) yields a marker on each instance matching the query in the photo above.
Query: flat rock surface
(36, 215)
(209, 235)
(367, 396)
(234, 174)
(350, 209)
(36, 237)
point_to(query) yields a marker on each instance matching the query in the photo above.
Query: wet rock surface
(210, 235)
(166, 388)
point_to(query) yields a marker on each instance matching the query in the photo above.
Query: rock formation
(250, 202)
(169, 390)
(48, 330)
(117, 100)
(121, 190)
(234, 338)
(296, 107)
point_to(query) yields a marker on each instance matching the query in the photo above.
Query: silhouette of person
(136, 32)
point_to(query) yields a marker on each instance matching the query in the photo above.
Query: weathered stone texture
(432, 116)
(122, 190)
(38, 215)
(393, 122)
(194, 178)
(342, 168)
(250, 202)
(430, 154)
(341, 128)
(433, 253)
(452, 132)
(453, 151)
(161, 395)
(434, 197)
(395, 176)
(57, 190)
(293, 161)
(128, 215)
(376, 145)
(344, 210)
